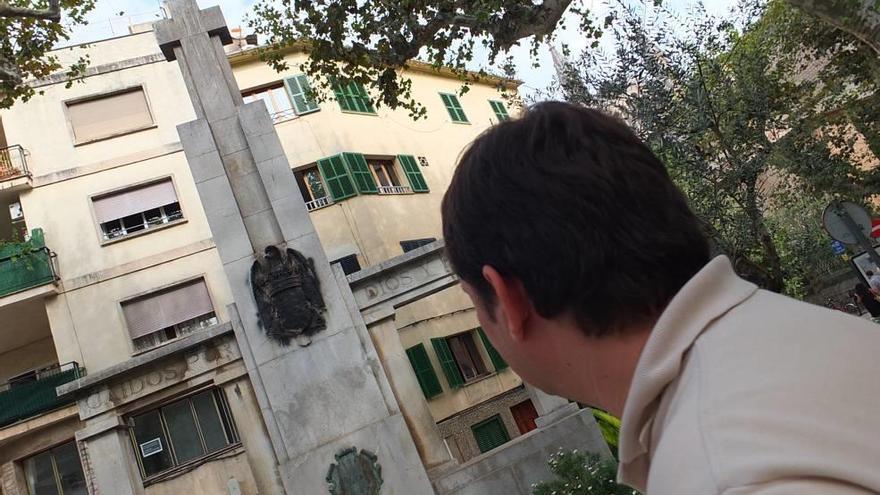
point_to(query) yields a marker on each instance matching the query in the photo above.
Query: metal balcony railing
(318, 203)
(12, 162)
(283, 115)
(30, 395)
(27, 264)
(394, 190)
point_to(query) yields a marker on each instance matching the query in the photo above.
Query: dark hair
(869, 273)
(571, 203)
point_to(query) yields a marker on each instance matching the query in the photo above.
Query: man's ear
(512, 305)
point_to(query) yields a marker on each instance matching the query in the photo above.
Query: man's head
(869, 273)
(564, 220)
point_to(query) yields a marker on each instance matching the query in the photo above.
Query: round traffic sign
(836, 227)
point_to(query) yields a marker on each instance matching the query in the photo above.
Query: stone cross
(318, 400)
(195, 39)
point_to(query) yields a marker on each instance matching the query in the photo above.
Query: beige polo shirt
(743, 391)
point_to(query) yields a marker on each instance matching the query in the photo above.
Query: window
(312, 188)
(182, 432)
(276, 100)
(413, 174)
(386, 177)
(490, 434)
(353, 98)
(408, 246)
(500, 110)
(168, 314)
(137, 209)
(56, 472)
(109, 115)
(300, 92)
(425, 375)
(349, 264)
(467, 356)
(459, 358)
(456, 113)
(348, 174)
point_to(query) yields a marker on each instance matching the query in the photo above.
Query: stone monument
(319, 383)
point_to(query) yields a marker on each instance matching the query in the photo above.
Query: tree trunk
(771, 262)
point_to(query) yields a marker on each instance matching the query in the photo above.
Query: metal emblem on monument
(355, 473)
(288, 296)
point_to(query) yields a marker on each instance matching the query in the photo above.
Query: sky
(113, 17)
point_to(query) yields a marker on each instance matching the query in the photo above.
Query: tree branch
(520, 22)
(9, 72)
(863, 23)
(52, 13)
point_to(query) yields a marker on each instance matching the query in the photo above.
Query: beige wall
(40, 125)
(373, 224)
(75, 235)
(94, 316)
(28, 357)
(211, 477)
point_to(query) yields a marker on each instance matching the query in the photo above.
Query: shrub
(581, 474)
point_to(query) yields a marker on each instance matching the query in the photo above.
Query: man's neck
(611, 363)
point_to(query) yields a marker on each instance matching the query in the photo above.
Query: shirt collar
(713, 291)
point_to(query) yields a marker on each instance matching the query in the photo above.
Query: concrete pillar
(12, 480)
(113, 467)
(550, 408)
(258, 448)
(408, 393)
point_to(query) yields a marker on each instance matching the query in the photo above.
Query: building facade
(112, 292)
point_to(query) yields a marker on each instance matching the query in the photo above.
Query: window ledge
(115, 135)
(143, 232)
(462, 123)
(355, 112)
(480, 379)
(228, 451)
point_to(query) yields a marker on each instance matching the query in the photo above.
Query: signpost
(849, 223)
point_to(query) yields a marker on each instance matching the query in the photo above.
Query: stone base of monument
(514, 467)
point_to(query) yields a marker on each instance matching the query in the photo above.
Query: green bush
(610, 428)
(581, 474)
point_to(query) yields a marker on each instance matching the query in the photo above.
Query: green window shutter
(360, 172)
(500, 110)
(496, 358)
(447, 362)
(364, 98)
(344, 104)
(490, 434)
(353, 98)
(413, 174)
(418, 357)
(298, 89)
(456, 113)
(336, 176)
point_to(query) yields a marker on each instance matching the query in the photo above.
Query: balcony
(318, 203)
(394, 190)
(27, 396)
(13, 166)
(25, 265)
